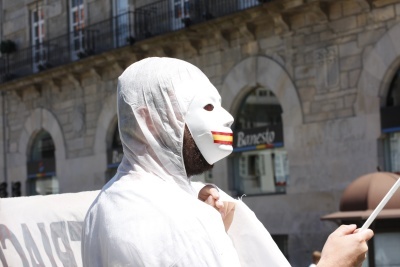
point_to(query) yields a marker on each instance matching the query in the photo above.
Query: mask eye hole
(209, 107)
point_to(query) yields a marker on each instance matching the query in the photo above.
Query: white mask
(209, 123)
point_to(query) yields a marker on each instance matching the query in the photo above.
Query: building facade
(313, 86)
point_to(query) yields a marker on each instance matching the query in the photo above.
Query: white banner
(43, 230)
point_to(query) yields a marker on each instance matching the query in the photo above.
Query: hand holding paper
(345, 248)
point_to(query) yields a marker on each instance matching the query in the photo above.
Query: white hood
(151, 117)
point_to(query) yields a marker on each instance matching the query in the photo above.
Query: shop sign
(41, 168)
(270, 136)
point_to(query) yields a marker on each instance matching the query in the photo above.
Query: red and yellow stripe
(222, 138)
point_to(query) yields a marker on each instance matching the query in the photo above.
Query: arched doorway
(262, 72)
(42, 179)
(259, 161)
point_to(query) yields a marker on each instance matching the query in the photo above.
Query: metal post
(1, 20)
(3, 113)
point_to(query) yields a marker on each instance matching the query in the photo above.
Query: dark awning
(363, 195)
(362, 215)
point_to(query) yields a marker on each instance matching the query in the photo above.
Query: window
(393, 98)
(181, 9)
(38, 33)
(248, 3)
(121, 22)
(392, 147)
(282, 243)
(77, 25)
(181, 13)
(42, 178)
(114, 155)
(390, 124)
(259, 163)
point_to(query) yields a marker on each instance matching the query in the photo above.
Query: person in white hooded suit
(172, 126)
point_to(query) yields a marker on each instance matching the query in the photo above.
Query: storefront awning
(362, 215)
(363, 195)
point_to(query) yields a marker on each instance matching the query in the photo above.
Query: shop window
(390, 124)
(259, 163)
(114, 155)
(42, 179)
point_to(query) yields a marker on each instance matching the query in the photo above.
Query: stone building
(313, 86)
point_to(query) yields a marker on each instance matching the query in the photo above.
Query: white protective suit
(149, 213)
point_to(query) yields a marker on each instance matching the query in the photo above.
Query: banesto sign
(258, 136)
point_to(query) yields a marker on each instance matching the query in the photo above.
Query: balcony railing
(147, 21)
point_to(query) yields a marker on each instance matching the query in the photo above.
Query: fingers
(210, 195)
(210, 200)
(225, 208)
(214, 193)
(366, 234)
(229, 214)
(208, 190)
(346, 246)
(345, 230)
(219, 204)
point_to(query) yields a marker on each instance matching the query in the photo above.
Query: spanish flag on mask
(222, 138)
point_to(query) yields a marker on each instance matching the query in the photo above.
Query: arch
(42, 119)
(263, 71)
(39, 119)
(379, 67)
(105, 124)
